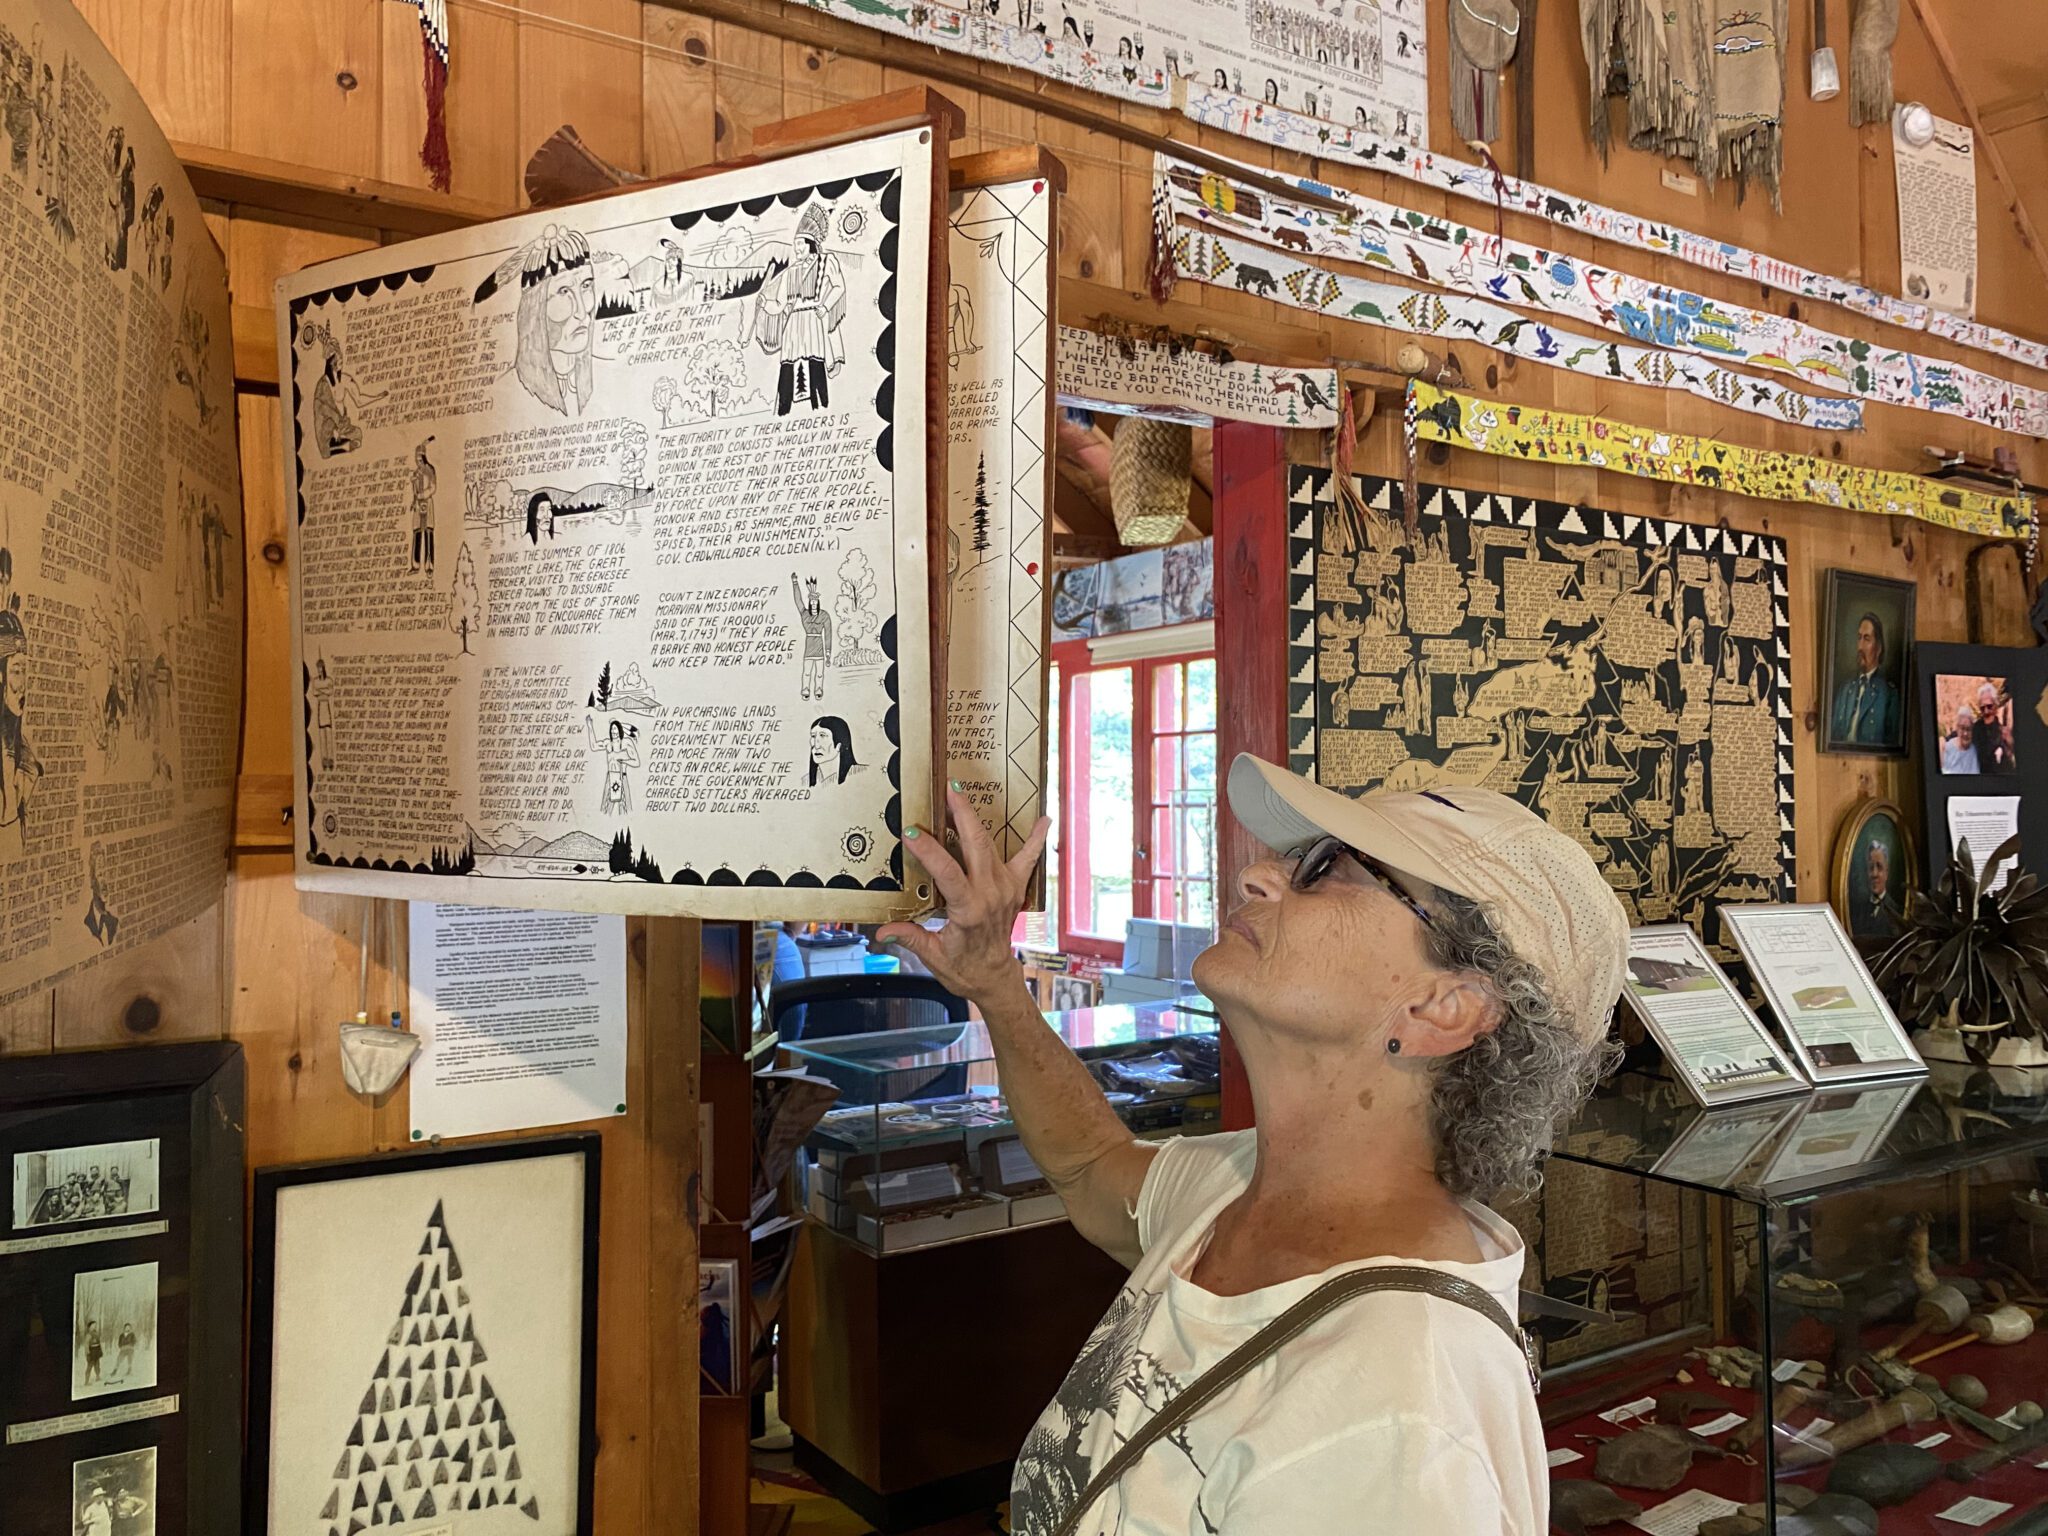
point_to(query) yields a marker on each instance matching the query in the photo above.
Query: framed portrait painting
(423, 1341)
(1866, 648)
(1876, 870)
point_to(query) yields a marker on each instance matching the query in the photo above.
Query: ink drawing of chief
(799, 314)
(557, 316)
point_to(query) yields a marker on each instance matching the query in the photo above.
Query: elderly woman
(1419, 986)
(1959, 746)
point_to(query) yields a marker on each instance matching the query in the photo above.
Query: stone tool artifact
(1577, 1505)
(1884, 1474)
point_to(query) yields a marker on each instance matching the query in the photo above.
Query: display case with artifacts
(922, 1149)
(1824, 1312)
(121, 1291)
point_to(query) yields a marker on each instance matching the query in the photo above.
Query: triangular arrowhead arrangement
(437, 1356)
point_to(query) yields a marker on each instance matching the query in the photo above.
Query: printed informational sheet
(610, 546)
(120, 517)
(998, 536)
(1828, 1007)
(1938, 216)
(1716, 1047)
(1987, 823)
(521, 1018)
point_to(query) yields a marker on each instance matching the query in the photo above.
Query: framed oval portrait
(1875, 872)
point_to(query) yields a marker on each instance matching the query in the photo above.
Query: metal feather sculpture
(1974, 954)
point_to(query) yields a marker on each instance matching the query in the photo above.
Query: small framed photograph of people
(1974, 716)
(1866, 640)
(1875, 872)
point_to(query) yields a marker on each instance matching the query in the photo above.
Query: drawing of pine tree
(603, 696)
(431, 1436)
(981, 505)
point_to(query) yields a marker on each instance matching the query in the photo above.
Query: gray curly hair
(1496, 1103)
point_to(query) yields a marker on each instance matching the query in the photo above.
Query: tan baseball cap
(1544, 890)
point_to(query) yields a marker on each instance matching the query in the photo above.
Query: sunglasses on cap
(1320, 857)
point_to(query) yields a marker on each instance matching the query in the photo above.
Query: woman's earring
(1394, 1047)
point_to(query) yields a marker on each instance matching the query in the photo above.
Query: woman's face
(823, 747)
(11, 697)
(1966, 718)
(1325, 964)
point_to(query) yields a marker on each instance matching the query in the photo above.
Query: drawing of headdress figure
(557, 315)
(799, 314)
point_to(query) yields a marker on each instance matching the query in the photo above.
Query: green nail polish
(958, 787)
(909, 832)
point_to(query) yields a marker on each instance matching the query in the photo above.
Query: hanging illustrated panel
(1627, 678)
(610, 547)
(998, 538)
(120, 518)
(424, 1342)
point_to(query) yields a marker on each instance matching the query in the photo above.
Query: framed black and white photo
(113, 1330)
(121, 1262)
(423, 1340)
(1713, 1042)
(97, 1182)
(115, 1495)
(1866, 646)
(1829, 1009)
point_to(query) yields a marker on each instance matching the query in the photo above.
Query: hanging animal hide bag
(1484, 34)
(1705, 80)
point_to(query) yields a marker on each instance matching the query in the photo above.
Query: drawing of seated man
(338, 402)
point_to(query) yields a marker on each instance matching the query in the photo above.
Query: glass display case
(920, 1148)
(1822, 1315)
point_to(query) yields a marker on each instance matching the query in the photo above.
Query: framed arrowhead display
(424, 1342)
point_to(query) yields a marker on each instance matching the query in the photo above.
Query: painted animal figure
(1256, 280)
(1291, 239)
(1447, 414)
(1558, 208)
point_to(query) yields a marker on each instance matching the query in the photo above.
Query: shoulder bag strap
(1289, 1325)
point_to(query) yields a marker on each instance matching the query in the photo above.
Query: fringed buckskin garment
(1705, 80)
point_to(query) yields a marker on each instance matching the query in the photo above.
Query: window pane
(1198, 840)
(1052, 796)
(1166, 688)
(1112, 789)
(1202, 694)
(1165, 841)
(1198, 903)
(1201, 766)
(1166, 780)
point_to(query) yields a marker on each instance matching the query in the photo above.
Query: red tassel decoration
(434, 153)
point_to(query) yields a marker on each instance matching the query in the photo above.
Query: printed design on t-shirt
(1114, 1378)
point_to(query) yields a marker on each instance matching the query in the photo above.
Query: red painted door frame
(1250, 554)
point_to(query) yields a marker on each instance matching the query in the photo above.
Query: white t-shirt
(1408, 1409)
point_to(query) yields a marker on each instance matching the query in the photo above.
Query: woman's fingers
(919, 940)
(946, 873)
(976, 849)
(1025, 860)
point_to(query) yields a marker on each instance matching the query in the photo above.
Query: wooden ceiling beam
(2019, 112)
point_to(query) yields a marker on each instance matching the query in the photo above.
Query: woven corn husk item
(1150, 478)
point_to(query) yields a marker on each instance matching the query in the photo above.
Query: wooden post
(1250, 556)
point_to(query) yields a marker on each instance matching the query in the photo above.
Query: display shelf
(1869, 1249)
(922, 1149)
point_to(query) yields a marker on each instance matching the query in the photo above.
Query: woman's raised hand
(983, 893)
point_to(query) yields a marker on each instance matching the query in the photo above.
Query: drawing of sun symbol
(851, 222)
(857, 845)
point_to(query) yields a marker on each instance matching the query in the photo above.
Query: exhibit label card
(1828, 1007)
(521, 1017)
(610, 537)
(1987, 823)
(1715, 1045)
(120, 518)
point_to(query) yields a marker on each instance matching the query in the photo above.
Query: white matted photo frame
(424, 1338)
(1716, 1046)
(1828, 1007)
